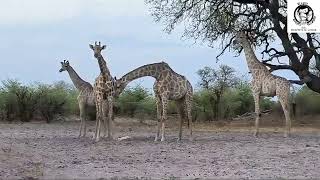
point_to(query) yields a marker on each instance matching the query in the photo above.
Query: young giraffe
(85, 97)
(168, 86)
(104, 94)
(265, 84)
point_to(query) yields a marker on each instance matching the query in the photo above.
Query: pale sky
(37, 34)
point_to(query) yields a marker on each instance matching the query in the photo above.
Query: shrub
(202, 106)
(52, 100)
(308, 101)
(235, 101)
(132, 99)
(146, 108)
(19, 101)
(2, 105)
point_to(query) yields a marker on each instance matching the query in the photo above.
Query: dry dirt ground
(53, 151)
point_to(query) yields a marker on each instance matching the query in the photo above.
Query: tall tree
(217, 82)
(265, 20)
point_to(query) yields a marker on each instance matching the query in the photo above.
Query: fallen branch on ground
(250, 115)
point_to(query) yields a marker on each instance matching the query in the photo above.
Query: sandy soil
(46, 151)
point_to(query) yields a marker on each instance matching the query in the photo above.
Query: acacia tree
(265, 20)
(217, 82)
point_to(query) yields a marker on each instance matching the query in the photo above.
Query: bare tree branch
(213, 21)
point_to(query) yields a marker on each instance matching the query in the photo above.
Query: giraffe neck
(79, 83)
(153, 70)
(103, 66)
(254, 65)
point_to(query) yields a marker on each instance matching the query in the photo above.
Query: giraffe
(168, 86)
(104, 94)
(85, 97)
(265, 84)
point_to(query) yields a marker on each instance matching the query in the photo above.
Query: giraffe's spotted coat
(104, 91)
(168, 86)
(265, 84)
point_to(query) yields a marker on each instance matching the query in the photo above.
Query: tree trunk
(217, 106)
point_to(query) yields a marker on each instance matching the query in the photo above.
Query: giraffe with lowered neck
(168, 86)
(85, 97)
(265, 84)
(104, 94)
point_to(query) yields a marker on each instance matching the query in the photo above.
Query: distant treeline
(220, 95)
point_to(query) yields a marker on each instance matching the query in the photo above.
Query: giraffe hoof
(162, 139)
(286, 135)
(255, 134)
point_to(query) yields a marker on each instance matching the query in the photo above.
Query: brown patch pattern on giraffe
(169, 85)
(265, 84)
(104, 94)
(85, 97)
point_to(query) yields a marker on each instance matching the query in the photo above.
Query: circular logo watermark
(303, 14)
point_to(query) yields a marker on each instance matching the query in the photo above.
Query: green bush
(52, 101)
(308, 101)
(19, 101)
(202, 105)
(146, 108)
(22, 102)
(8, 100)
(235, 101)
(2, 105)
(71, 94)
(133, 100)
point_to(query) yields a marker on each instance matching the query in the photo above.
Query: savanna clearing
(46, 151)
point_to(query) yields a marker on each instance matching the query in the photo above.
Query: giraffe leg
(85, 112)
(98, 129)
(110, 117)
(284, 101)
(82, 117)
(82, 108)
(98, 119)
(180, 107)
(164, 101)
(104, 115)
(159, 112)
(101, 122)
(188, 105)
(85, 124)
(257, 112)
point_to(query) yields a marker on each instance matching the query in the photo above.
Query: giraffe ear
(61, 63)
(103, 47)
(91, 46)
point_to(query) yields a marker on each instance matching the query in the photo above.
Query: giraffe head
(97, 48)
(242, 39)
(119, 85)
(64, 65)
